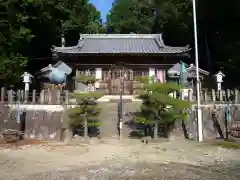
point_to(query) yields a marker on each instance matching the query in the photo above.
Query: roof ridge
(81, 42)
(92, 36)
(159, 41)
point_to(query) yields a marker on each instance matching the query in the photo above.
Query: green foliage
(29, 29)
(171, 17)
(219, 37)
(131, 17)
(14, 36)
(159, 106)
(145, 79)
(85, 79)
(87, 108)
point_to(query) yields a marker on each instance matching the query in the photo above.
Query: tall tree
(171, 17)
(131, 17)
(220, 37)
(14, 37)
(174, 20)
(29, 28)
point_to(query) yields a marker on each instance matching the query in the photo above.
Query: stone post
(26, 96)
(3, 94)
(10, 96)
(34, 96)
(42, 96)
(228, 93)
(58, 97)
(205, 95)
(220, 95)
(49, 96)
(85, 127)
(18, 95)
(236, 96)
(66, 97)
(213, 95)
(190, 120)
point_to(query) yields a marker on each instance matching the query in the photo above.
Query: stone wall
(37, 123)
(47, 121)
(213, 117)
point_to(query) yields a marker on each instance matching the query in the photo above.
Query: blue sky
(103, 6)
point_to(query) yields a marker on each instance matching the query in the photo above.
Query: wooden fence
(57, 97)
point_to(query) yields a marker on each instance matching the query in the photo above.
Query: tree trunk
(67, 135)
(155, 135)
(85, 128)
(166, 130)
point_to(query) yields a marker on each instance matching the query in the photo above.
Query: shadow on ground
(143, 171)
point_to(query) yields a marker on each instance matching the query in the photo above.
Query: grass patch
(227, 144)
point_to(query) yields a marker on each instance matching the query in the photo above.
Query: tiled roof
(121, 43)
(177, 68)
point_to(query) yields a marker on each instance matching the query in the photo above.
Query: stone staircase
(109, 120)
(129, 107)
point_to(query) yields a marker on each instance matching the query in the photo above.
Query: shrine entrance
(120, 79)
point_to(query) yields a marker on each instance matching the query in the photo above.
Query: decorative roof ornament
(56, 74)
(174, 72)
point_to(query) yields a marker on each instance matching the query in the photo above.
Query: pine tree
(86, 112)
(159, 107)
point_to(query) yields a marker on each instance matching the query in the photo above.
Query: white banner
(151, 72)
(98, 73)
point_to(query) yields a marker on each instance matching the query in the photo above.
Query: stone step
(109, 119)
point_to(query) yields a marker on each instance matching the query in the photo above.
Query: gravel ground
(113, 160)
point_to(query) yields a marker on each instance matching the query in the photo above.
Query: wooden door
(114, 81)
(115, 84)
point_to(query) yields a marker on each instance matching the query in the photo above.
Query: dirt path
(114, 160)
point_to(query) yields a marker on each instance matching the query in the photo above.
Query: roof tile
(121, 43)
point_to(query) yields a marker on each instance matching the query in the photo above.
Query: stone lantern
(27, 79)
(219, 80)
